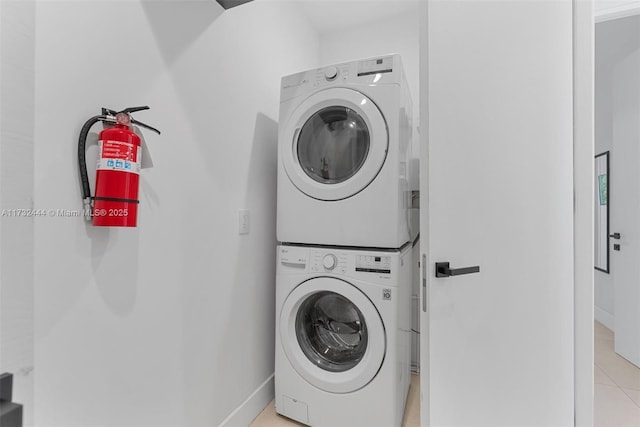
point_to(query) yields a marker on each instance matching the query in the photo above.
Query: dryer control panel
(371, 71)
(375, 66)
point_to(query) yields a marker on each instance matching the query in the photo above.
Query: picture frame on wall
(601, 214)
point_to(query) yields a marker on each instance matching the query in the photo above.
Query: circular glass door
(334, 144)
(331, 331)
(332, 334)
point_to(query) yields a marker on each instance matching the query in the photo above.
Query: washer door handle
(443, 270)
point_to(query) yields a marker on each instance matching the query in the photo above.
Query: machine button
(329, 261)
(330, 73)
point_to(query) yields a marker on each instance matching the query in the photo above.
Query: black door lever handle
(443, 270)
(615, 235)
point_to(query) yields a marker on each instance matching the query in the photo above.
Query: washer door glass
(331, 331)
(333, 144)
(332, 334)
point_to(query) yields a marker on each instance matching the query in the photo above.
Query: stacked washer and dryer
(345, 227)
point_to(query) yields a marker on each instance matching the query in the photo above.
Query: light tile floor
(617, 391)
(269, 418)
(617, 385)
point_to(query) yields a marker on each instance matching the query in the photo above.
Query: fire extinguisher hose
(82, 162)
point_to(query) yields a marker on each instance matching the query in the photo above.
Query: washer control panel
(329, 261)
(352, 263)
(373, 263)
(292, 256)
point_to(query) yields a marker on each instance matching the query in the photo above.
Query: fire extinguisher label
(118, 155)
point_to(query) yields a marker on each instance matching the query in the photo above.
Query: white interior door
(497, 102)
(625, 209)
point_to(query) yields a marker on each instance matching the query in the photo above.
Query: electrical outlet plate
(243, 221)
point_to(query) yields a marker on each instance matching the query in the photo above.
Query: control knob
(330, 73)
(329, 261)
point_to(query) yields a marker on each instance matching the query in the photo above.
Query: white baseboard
(250, 408)
(604, 317)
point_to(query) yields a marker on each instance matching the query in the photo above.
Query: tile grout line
(612, 379)
(606, 375)
(604, 371)
(616, 386)
(630, 398)
(603, 341)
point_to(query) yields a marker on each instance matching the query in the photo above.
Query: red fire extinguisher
(115, 203)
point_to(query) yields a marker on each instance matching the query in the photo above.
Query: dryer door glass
(331, 331)
(333, 144)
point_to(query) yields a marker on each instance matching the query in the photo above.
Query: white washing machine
(342, 335)
(343, 155)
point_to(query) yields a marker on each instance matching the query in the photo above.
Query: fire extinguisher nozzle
(87, 208)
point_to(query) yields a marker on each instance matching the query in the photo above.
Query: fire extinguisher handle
(130, 110)
(112, 113)
(135, 122)
(108, 112)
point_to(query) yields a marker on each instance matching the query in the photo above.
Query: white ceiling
(605, 10)
(599, 5)
(335, 15)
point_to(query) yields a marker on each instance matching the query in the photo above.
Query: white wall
(16, 192)
(615, 40)
(171, 323)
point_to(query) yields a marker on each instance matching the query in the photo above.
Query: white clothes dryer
(342, 335)
(344, 142)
